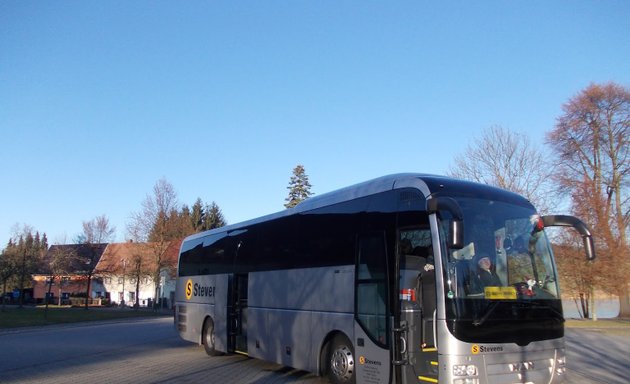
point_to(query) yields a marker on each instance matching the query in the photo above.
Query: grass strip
(39, 316)
(612, 327)
(601, 323)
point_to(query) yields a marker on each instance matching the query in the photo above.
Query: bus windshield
(505, 271)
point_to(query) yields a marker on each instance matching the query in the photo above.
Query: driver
(486, 273)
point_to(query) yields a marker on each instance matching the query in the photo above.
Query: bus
(382, 282)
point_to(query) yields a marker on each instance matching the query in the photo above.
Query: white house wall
(113, 285)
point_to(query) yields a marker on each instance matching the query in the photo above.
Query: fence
(79, 301)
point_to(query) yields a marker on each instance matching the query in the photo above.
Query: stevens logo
(476, 349)
(198, 290)
(189, 289)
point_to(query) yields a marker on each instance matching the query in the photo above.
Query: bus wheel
(208, 338)
(340, 361)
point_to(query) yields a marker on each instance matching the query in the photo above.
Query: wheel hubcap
(210, 338)
(342, 363)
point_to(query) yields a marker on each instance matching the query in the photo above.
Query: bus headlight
(561, 367)
(469, 373)
(464, 370)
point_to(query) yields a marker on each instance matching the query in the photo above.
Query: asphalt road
(598, 355)
(150, 351)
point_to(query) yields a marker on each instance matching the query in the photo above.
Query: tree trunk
(136, 305)
(47, 298)
(156, 293)
(50, 283)
(87, 292)
(4, 290)
(592, 305)
(584, 303)
(624, 306)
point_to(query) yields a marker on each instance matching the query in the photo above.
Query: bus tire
(208, 338)
(340, 364)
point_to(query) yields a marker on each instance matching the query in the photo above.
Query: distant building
(127, 269)
(75, 265)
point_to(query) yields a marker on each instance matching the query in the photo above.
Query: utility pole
(124, 263)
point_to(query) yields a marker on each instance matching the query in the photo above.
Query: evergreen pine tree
(299, 187)
(213, 217)
(197, 215)
(44, 243)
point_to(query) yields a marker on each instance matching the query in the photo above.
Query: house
(70, 267)
(127, 270)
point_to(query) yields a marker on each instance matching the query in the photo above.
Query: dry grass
(13, 317)
(608, 326)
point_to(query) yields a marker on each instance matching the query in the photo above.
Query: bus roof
(427, 184)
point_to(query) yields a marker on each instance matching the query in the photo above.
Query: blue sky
(99, 100)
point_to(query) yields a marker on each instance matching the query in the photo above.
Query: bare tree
(152, 224)
(140, 268)
(153, 217)
(508, 160)
(578, 276)
(592, 142)
(98, 230)
(59, 265)
(96, 233)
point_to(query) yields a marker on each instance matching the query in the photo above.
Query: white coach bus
(408, 278)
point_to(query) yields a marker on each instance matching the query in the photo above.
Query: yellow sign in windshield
(500, 293)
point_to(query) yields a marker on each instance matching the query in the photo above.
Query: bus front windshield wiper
(487, 314)
(538, 305)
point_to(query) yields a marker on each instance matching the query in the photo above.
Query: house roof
(120, 256)
(84, 257)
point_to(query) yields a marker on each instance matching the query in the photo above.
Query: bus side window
(410, 267)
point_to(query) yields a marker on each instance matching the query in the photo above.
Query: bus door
(238, 313)
(418, 356)
(372, 328)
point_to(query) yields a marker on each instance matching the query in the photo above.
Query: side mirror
(456, 226)
(570, 221)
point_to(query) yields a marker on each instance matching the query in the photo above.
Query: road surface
(150, 351)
